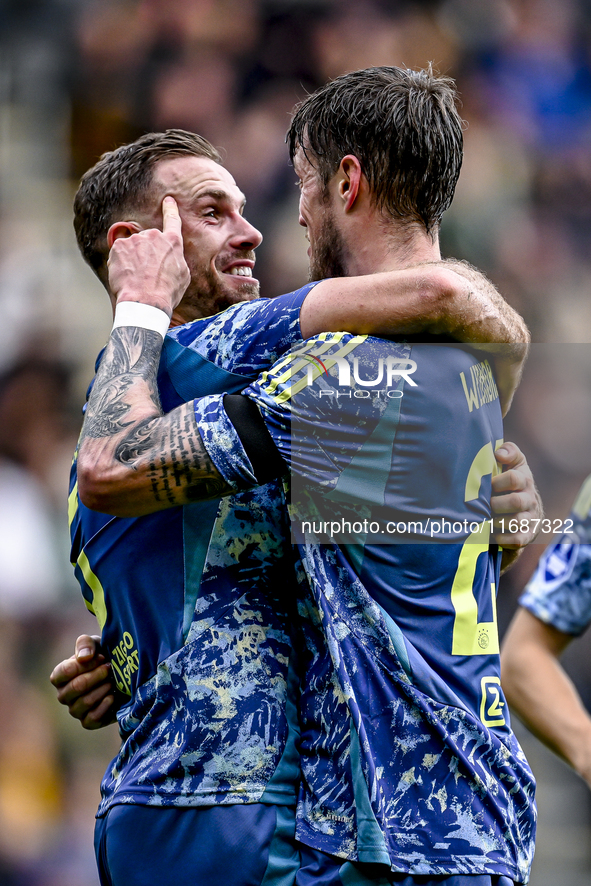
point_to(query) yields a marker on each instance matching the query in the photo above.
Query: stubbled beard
(328, 254)
(209, 294)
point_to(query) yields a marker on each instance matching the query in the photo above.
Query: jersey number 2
(471, 636)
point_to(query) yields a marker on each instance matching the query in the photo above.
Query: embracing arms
(83, 681)
(134, 460)
(448, 298)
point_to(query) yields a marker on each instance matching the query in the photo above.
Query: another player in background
(361, 233)
(555, 607)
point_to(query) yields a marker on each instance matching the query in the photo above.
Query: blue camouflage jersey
(559, 592)
(407, 753)
(194, 603)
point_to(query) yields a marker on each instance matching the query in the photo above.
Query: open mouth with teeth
(240, 271)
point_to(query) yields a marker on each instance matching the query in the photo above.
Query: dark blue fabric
(216, 846)
(319, 869)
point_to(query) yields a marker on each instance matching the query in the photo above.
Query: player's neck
(390, 247)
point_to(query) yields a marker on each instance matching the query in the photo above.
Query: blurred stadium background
(78, 77)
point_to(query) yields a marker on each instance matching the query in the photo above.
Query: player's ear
(122, 229)
(350, 175)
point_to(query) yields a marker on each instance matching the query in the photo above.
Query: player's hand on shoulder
(83, 684)
(516, 504)
(148, 266)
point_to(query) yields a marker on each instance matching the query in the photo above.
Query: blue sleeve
(559, 592)
(316, 431)
(326, 404)
(248, 337)
(223, 443)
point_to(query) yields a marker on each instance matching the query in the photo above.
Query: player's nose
(246, 236)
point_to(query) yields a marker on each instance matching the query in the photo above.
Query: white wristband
(133, 313)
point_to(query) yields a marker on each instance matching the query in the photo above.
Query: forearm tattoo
(132, 355)
(167, 449)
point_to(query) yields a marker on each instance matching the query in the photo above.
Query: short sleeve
(223, 443)
(559, 592)
(325, 413)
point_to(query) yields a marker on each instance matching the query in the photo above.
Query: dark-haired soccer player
(235, 651)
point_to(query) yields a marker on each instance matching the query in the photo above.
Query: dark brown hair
(402, 125)
(119, 183)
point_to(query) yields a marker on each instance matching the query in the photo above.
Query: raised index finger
(171, 220)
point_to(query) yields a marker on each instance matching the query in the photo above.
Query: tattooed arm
(132, 459)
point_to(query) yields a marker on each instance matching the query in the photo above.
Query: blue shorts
(242, 845)
(320, 869)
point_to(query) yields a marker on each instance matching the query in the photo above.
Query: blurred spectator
(37, 436)
(36, 440)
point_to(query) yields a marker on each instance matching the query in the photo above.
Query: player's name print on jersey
(480, 387)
